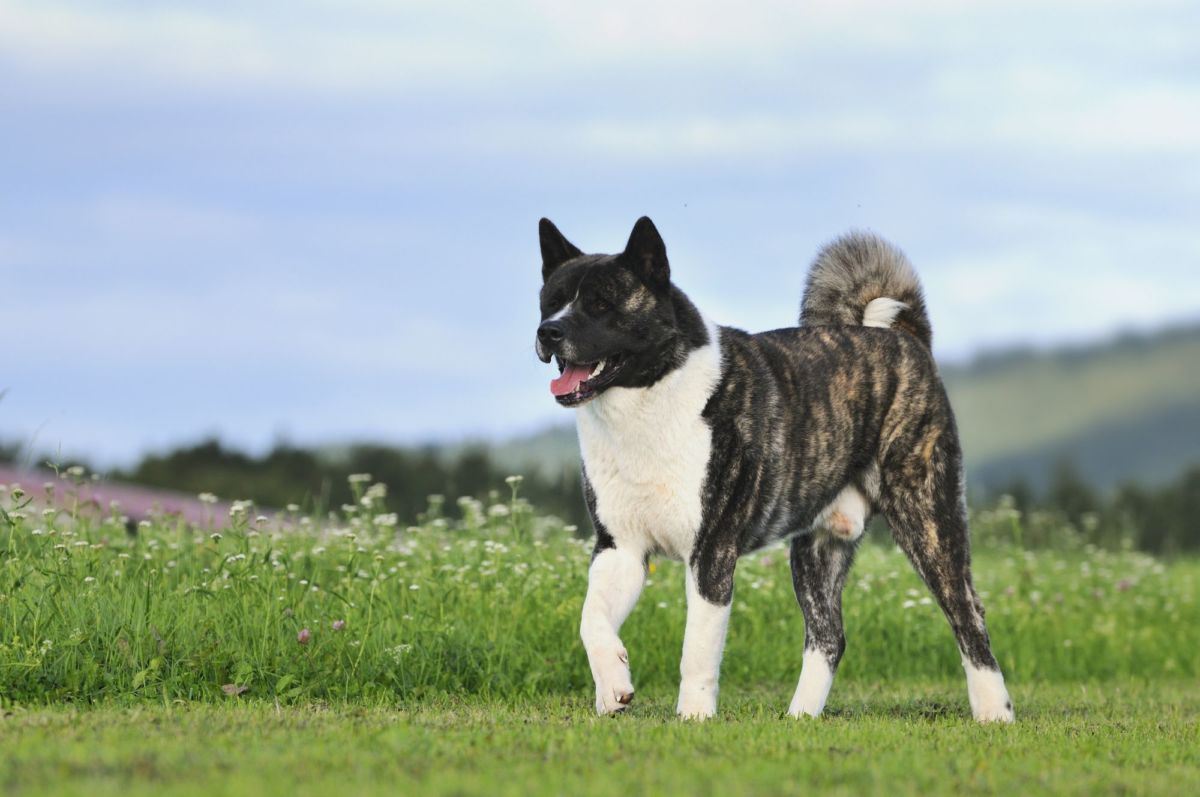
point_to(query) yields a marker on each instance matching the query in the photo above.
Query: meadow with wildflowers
(283, 653)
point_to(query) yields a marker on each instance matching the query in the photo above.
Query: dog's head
(607, 320)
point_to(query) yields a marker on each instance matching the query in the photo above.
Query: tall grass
(355, 607)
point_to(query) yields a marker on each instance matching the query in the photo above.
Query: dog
(703, 443)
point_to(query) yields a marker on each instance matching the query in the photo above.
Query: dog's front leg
(703, 646)
(615, 580)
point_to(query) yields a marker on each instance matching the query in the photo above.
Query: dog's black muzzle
(550, 335)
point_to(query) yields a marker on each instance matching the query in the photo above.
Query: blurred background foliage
(1159, 518)
(1100, 441)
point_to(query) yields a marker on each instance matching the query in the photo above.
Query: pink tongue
(569, 380)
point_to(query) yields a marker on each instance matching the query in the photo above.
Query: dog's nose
(551, 332)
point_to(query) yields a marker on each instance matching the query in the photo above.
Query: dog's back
(803, 413)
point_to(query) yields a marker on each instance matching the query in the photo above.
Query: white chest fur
(646, 452)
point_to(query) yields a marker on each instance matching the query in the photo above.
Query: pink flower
(1124, 584)
(303, 636)
(338, 625)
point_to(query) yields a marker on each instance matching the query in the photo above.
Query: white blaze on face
(567, 308)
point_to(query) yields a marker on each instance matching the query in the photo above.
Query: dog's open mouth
(579, 382)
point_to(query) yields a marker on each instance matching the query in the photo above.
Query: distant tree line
(1160, 520)
(319, 480)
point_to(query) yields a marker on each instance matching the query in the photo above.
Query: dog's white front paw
(610, 700)
(614, 685)
(696, 701)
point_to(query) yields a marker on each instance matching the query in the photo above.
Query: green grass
(910, 739)
(188, 661)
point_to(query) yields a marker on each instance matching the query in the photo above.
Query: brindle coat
(795, 416)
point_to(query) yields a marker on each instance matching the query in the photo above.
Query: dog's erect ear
(556, 249)
(647, 254)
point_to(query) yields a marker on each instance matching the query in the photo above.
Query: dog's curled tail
(862, 279)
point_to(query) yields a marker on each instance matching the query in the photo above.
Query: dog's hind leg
(927, 514)
(820, 562)
(615, 581)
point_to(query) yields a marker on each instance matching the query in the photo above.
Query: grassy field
(289, 655)
(912, 738)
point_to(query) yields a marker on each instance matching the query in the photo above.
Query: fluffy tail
(862, 279)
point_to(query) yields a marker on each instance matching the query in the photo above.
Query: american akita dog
(702, 443)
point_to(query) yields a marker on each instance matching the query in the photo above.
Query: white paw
(816, 679)
(614, 686)
(994, 713)
(800, 708)
(696, 702)
(988, 695)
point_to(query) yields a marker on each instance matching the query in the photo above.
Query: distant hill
(1126, 409)
(547, 451)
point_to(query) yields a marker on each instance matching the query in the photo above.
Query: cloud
(142, 218)
(339, 46)
(219, 47)
(774, 79)
(321, 213)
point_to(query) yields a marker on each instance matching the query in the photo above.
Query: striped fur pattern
(703, 442)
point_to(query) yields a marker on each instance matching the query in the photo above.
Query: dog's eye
(600, 305)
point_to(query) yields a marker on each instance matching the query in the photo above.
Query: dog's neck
(680, 393)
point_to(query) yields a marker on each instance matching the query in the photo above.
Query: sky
(315, 220)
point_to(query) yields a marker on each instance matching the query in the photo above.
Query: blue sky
(317, 220)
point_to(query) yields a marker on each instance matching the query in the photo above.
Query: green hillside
(1122, 410)
(1126, 410)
